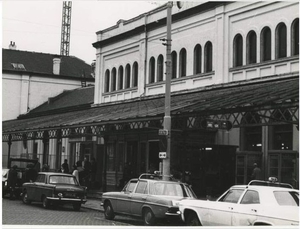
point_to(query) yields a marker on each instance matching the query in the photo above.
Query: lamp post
(167, 117)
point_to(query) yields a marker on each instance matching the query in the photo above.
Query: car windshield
(62, 180)
(168, 189)
(286, 198)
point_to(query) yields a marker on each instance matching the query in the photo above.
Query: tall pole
(167, 118)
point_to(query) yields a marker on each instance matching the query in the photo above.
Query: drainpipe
(146, 52)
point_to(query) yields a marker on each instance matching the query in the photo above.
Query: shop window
(160, 68)
(113, 79)
(127, 76)
(135, 72)
(281, 41)
(107, 78)
(197, 59)
(295, 37)
(208, 57)
(152, 70)
(251, 135)
(120, 78)
(238, 50)
(174, 64)
(251, 47)
(244, 166)
(265, 44)
(182, 63)
(110, 157)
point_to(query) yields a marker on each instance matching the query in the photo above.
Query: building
(235, 93)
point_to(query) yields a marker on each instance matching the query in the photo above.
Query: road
(15, 212)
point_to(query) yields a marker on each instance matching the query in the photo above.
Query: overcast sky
(36, 25)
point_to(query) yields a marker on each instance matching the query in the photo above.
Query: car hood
(65, 187)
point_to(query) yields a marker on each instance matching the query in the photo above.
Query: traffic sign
(162, 155)
(163, 132)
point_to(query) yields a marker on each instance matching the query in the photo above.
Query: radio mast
(65, 28)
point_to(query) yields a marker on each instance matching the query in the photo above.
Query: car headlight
(60, 195)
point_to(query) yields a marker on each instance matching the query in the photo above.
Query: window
(152, 70)
(251, 47)
(130, 186)
(174, 64)
(160, 68)
(127, 76)
(238, 50)
(107, 76)
(142, 187)
(265, 44)
(232, 196)
(251, 136)
(295, 37)
(197, 59)
(18, 66)
(285, 198)
(281, 41)
(250, 197)
(120, 78)
(182, 63)
(135, 72)
(208, 53)
(113, 79)
(62, 180)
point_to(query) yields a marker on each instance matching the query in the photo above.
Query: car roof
(55, 173)
(258, 187)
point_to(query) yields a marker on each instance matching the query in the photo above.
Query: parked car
(55, 189)
(148, 197)
(258, 203)
(22, 164)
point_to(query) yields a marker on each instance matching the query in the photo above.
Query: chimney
(12, 45)
(56, 66)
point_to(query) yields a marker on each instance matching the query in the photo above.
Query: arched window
(120, 78)
(152, 70)
(127, 76)
(135, 72)
(251, 47)
(208, 57)
(160, 68)
(265, 44)
(174, 64)
(182, 63)
(295, 37)
(238, 50)
(197, 59)
(113, 79)
(281, 41)
(107, 77)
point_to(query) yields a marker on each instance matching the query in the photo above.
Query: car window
(130, 186)
(287, 198)
(142, 187)
(250, 197)
(168, 189)
(232, 196)
(41, 178)
(62, 180)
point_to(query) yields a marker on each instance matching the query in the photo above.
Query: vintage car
(22, 165)
(148, 197)
(55, 189)
(259, 203)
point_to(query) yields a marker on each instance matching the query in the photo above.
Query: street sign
(162, 155)
(163, 132)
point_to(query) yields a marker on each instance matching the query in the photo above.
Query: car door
(220, 214)
(38, 186)
(138, 198)
(124, 198)
(245, 213)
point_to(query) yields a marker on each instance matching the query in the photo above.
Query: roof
(221, 99)
(42, 63)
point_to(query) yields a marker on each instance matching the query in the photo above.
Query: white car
(258, 203)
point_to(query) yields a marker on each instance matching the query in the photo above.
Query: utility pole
(167, 118)
(65, 29)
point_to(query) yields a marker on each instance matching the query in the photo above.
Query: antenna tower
(65, 28)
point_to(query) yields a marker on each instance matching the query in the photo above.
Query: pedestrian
(65, 166)
(12, 181)
(37, 166)
(76, 173)
(45, 168)
(93, 172)
(80, 170)
(30, 173)
(256, 174)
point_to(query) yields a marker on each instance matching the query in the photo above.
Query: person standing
(76, 173)
(87, 171)
(12, 181)
(256, 174)
(65, 166)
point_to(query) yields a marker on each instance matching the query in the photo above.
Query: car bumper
(67, 200)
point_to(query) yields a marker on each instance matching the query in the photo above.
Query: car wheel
(46, 203)
(192, 220)
(108, 211)
(77, 206)
(148, 217)
(25, 198)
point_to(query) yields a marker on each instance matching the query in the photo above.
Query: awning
(216, 99)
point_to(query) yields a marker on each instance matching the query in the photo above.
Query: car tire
(25, 198)
(148, 217)
(45, 202)
(193, 220)
(108, 211)
(77, 206)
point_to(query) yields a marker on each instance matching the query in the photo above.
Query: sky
(36, 25)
